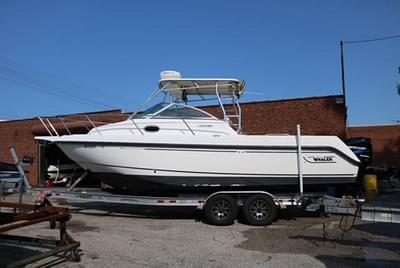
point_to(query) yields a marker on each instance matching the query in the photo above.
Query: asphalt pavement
(132, 236)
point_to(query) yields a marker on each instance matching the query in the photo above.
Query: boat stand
(64, 247)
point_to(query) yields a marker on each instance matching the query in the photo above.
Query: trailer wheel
(259, 210)
(221, 209)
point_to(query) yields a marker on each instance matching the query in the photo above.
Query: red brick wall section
(385, 143)
(317, 116)
(18, 134)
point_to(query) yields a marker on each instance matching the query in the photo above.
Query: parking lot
(171, 237)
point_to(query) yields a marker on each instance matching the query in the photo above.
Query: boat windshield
(174, 110)
(152, 110)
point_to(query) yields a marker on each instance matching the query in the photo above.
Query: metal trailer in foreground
(17, 215)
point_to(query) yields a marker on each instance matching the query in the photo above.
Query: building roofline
(120, 111)
(281, 100)
(376, 125)
(214, 105)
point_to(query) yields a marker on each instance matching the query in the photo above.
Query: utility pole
(343, 84)
(342, 68)
(398, 85)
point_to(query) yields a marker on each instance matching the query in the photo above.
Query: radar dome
(170, 75)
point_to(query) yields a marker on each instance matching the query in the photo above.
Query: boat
(9, 176)
(9, 171)
(175, 145)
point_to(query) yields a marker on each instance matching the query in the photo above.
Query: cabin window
(181, 111)
(173, 110)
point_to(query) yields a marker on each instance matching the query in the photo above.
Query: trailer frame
(34, 214)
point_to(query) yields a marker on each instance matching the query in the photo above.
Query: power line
(372, 40)
(46, 87)
(26, 80)
(49, 92)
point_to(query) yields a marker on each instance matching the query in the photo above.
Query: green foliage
(398, 88)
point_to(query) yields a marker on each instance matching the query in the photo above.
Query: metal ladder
(233, 114)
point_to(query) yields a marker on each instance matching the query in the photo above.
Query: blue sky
(111, 52)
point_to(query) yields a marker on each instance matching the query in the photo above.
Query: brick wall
(385, 142)
(20, 135)
(318, 115)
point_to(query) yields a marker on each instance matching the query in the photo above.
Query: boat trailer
(15, 215)
(28, 215)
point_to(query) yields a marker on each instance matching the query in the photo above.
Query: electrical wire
(372, 40)
(49, 92)
(10, 73)
(33, 83)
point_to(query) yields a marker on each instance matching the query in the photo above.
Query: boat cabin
(175, 108)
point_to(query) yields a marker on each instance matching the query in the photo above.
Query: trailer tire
(259, 210)
(221, 209)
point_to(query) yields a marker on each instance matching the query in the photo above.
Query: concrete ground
(170, 237)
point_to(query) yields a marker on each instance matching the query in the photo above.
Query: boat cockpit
(173, 115)
(177, 92)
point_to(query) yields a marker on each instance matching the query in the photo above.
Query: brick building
(317, 115)
(20, 135)
(385, 142)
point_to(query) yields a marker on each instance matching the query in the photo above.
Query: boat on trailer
(176, 146)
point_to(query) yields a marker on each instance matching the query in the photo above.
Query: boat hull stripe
(172, 146)
(250, 175)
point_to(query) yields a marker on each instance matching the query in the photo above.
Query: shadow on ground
(335, 261)
(135, 211)
(362, 242)
(366, 245)
(12, 252)
(391, 230)
(167, 213)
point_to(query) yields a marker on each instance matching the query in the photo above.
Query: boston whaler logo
(320, 159)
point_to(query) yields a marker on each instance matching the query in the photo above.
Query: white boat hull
(204, 165)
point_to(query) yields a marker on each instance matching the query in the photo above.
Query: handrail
(93, 125)
(238, 112)
(52, 127)
(220, 101)
(65, 126)
(48, 130)
(236, 108)
(52, 130)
